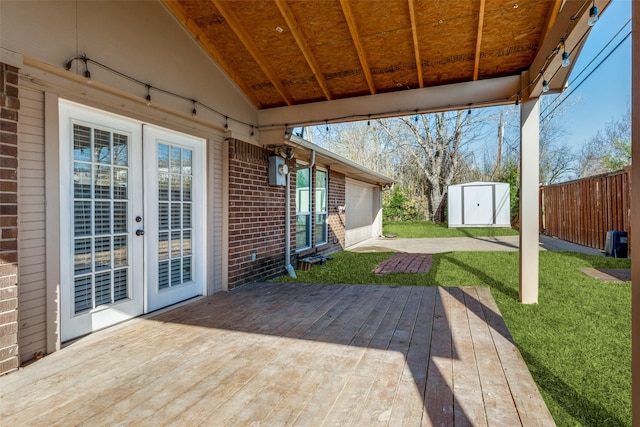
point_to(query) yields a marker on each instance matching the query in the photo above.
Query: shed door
(477, 202)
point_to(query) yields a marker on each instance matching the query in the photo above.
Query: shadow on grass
(481, 275)
(580, 408)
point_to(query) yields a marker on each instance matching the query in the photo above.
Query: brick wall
(256, 217)
(9, 106)
(337, 220)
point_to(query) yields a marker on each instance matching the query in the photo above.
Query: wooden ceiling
(293, 52)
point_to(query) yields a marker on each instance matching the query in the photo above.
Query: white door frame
(155, 298)
(142, 180)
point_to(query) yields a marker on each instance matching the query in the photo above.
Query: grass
(576, 341)
(413, 229)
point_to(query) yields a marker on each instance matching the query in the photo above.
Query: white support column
(635, 215)
(529, 195)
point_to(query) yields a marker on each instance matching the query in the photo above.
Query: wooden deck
(290, 354)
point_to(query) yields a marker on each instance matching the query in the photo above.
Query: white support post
(529, 195)
(635, 214)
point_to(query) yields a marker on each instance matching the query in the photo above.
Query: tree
(609, 150)
(433, 145)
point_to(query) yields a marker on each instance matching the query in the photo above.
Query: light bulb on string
(148, 96)
(545, 86)
(194, 113)
(369, 120)
(565, 55)
(593, 15)
(545, 83)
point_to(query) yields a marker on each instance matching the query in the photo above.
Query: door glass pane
(81, 143)
(103, 288)
(82, 217)
(102, 147)
(103, 182)
(163, 216)
(120, 178)
(163, 274)
(174, 244)
(82, 256)
(82, 294)
(81, 180)
(102, 253)
(120, 150)
(100, 215)
(102, 218)
(120, 284)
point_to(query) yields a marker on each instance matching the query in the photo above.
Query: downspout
(287, 216)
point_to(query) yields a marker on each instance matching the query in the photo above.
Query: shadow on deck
(291, 354)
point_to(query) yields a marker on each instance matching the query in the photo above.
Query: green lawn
(430, 229)
(576, 341)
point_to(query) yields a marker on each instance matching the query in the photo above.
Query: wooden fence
(582, 211)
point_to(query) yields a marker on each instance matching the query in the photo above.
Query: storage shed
(479, 204)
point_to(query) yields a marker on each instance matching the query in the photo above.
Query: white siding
(31, 223)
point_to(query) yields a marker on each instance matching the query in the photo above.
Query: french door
(132, 197)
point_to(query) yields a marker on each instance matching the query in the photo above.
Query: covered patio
(290, 354)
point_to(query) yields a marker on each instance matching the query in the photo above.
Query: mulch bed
(405, 263)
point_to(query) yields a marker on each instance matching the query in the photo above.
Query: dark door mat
(614, 275)
(405, 263)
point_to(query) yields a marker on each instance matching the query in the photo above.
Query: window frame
(316, 209)
(299, 213)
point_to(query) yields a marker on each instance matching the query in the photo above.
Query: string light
(87, 74)
(416, 116)
(226, 122)
(326, 124)
(593, 15)
(565, 55)
(369, 120)
(545, 83)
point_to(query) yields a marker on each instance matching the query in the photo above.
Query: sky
(605, 94)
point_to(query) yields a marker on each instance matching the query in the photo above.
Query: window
(321, 190)
(303, 209)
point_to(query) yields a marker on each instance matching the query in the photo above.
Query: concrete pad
(463, 244)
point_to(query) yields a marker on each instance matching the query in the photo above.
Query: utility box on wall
(277, 171)
(479, 204)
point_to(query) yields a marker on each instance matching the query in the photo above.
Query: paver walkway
(405, 263)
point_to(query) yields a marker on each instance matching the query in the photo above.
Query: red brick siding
(257, 217)
(9, 106)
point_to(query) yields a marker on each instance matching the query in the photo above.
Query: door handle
(140, 232)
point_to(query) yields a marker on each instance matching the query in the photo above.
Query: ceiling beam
(291, 21)
(551, 19)
(416, 45)
(476, 64)
(485, 92)
(235, 24)
(353, 29)
(200, 37)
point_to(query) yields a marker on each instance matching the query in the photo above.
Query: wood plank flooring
(290, 354)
